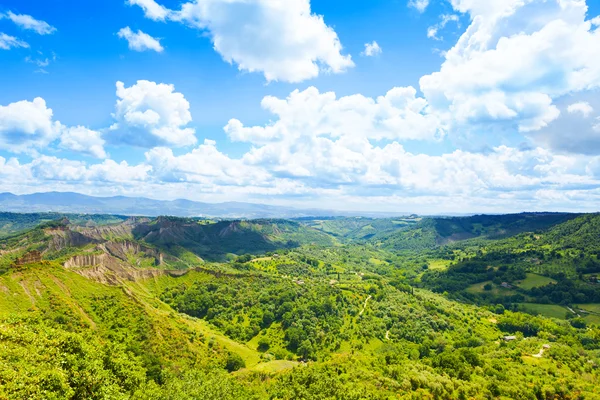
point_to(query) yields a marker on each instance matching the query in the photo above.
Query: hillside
(137, 310)
(551, 271)
(11, 223)
(433, 232)
(164, 242)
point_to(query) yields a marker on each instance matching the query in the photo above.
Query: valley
(99, 307)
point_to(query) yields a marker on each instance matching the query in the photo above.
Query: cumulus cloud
(29, 23)
(28, 126)
(372, 49)
(8, 42)
(419, 5)
(151, 114)
(25, 125)
(582, 108)
(140, 41)
(152, 10)
(552, 50)
(84, 140)
(283, 40)
(399, 115)
(325, 169)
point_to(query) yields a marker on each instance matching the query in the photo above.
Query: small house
(509, 338)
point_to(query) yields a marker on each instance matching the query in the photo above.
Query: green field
(535, 280)
(478, 288)
(592, 319)
(594, 309)
(440, 265)
(547, 310)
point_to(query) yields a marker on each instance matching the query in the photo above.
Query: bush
(263, 344)
(234, 362)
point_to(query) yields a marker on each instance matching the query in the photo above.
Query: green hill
(136, 310)
(433, 232)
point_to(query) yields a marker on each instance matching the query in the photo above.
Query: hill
(557, 266)
(166, 242)
(133, 310)
(430, 233)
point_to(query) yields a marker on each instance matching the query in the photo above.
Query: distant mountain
(67, 202)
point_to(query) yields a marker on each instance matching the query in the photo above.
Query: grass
(439, 265)
(547, 310)
(594, 307)
(534, 280)
(592, 319)
(478, 288)
(275, 366)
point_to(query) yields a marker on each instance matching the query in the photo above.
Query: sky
(424, 106)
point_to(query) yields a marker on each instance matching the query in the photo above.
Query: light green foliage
(322, 309)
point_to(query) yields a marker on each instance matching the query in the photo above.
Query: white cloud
(372, 49)
(281, 39)
(327, 172)
(25, 125)
(83, 140)
(55, 169)
(513, 61)
(399, 115)
(583, 107)
(432, 31)
(150, 114)
(205, 165)
(140, 41)
(28, 126)
(152, 10)
(8, 42)
(30, 23)
(575, 130)
(419, 5)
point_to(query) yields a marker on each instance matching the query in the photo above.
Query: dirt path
(542, 350)
(573, 311)
(387, 335)
(364, 306)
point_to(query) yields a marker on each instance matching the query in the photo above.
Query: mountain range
(69, 202)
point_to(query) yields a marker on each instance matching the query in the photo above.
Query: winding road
(365, 306)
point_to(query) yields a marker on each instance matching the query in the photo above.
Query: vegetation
(442, 308)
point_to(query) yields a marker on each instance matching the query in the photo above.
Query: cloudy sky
(396, 105)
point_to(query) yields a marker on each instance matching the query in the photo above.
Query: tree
(306, 350)
(234, 362)
(263, 344)
(488, 287)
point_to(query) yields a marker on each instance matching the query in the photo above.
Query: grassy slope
(535, 280)
(59, 294)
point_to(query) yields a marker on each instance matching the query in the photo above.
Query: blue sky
(462, 105)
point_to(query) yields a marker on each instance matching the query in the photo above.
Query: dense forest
(108, 307)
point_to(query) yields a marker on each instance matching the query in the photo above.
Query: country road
(365, 306)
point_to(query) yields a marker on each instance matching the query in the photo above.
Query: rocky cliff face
(63, 238)
(30, 258)
(106, 269)
(108, 232)
(90, 260)
(122, 249)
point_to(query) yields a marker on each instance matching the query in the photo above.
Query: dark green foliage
(234, 362)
